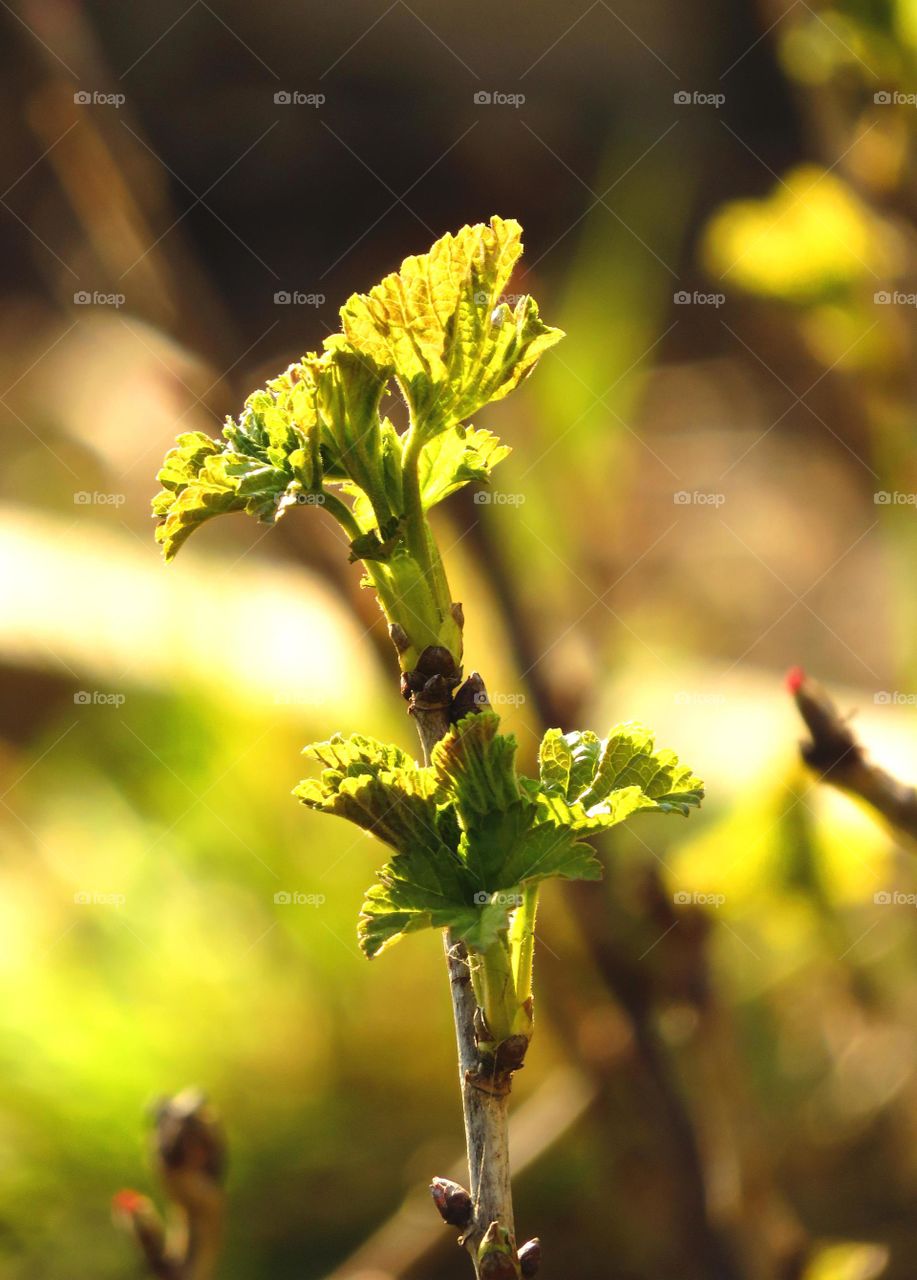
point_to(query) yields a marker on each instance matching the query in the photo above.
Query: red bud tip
(127, 1201)
(794, 679)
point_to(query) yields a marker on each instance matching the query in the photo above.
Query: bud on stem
(497, 1256)
(453, 1202)
(530, 1258)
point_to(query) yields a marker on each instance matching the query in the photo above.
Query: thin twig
(485, 1106)
(485, 1103)
(836, 755)
(412, 1233)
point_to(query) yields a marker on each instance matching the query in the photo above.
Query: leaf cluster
(468, 834)
(443, 331)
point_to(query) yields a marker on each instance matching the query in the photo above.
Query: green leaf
(348, 389)
(380, 789)
(555, 760)
(455, 458)
(398, 905)
(508, 837)
(467, 834)
(562, 815)
(444, 329)
(476, 764)
(629, 759)
(484, 923)
(612, 778)
(361, 754)
(585, 750)
(442, 325)
(195, 488)
(266, 462)
(549, 851)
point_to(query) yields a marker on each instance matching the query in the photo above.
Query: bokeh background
(712, 478)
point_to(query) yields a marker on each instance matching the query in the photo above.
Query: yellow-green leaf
(445, 326)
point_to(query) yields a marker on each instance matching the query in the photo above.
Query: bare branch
(836, 755)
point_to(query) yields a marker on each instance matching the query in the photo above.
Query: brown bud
(471, 697)
(436, 660)
(435, 694)
(510, 1053)
(453, 1202)
(497, 1266)
(530, 1257)
(188, 1136)
(412, 682)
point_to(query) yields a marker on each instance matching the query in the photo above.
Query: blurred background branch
(189, 1153)
(835, 755)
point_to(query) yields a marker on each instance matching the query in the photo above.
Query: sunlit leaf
(469, 833)
(599, 772)
(456, 458)
(266, 461)
(443, 325)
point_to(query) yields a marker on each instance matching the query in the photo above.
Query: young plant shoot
(469, 840)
